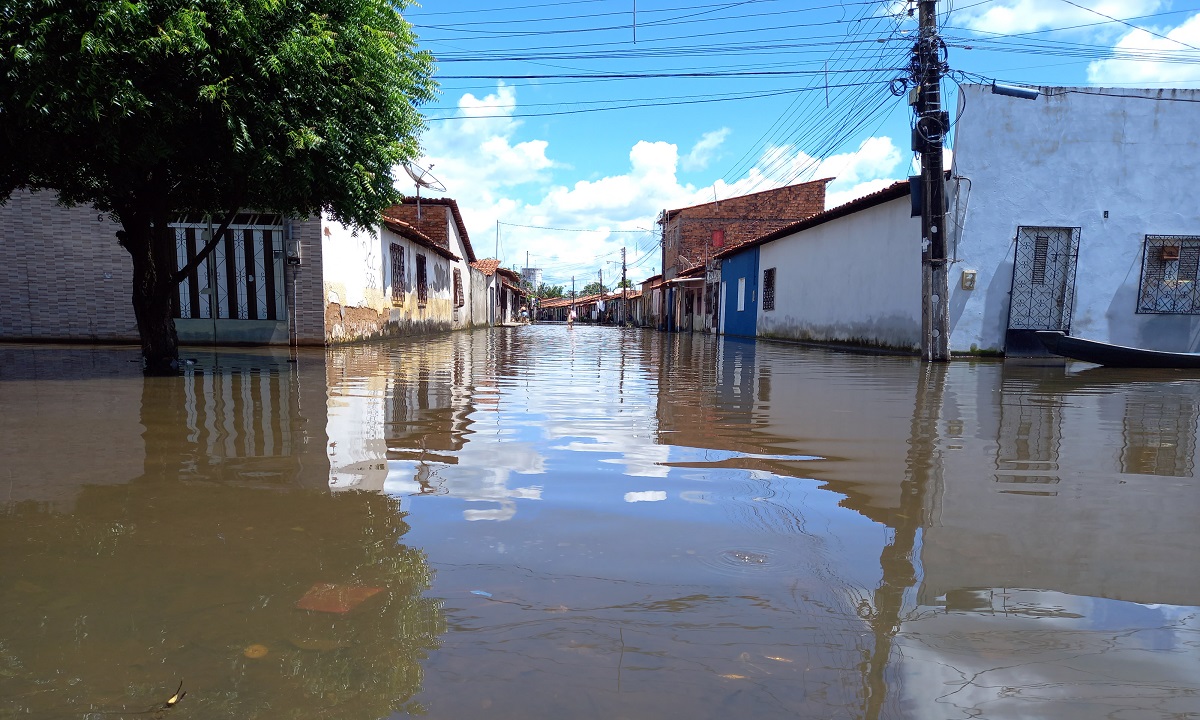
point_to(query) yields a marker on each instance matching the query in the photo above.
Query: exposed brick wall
(687, 236)
(434, 223)
(62, 274)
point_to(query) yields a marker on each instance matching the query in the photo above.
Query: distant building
(693, 236)
(531, 277)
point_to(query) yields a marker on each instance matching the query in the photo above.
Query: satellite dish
(423, 178)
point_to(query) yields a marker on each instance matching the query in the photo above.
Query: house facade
(1076, 212)
(652, 313)
(693, 236)
(413, 277)
(271, 280)
(1081, 183)
(848, 275)
(739, 292)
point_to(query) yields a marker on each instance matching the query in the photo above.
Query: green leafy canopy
(193, 106)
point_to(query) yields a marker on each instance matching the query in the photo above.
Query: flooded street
(593, 523)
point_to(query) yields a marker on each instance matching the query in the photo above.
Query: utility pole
(624, 291)
(931, 126)
(497, 256)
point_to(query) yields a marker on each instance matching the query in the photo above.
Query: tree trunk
(150, 242)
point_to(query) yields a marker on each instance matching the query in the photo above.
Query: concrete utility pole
(624, 291)
(930, 136)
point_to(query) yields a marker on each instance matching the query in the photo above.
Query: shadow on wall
(996, 302)
(1168, 332)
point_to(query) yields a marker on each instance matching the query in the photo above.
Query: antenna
(423, 178)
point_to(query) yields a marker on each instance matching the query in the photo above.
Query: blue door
(739, 275)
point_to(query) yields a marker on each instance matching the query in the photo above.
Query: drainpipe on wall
(292, 271)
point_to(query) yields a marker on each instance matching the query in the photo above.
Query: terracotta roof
(412, 234)
(487, 266)
(510, 274)
(891, 192)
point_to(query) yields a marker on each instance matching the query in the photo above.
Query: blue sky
(573, 124)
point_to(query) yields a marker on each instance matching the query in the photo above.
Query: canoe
(1114, 355)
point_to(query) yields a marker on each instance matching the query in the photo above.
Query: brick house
(273, 281)
(692, 236)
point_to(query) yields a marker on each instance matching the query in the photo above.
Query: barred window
(422, 283)
(459, 297)
(1169, 275)
(397, 273)
(768, 293)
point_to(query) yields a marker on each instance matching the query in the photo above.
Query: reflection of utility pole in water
(897, 560)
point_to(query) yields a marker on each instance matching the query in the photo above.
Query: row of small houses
(621, 307)
(1083, 183)
(273, 280)
(1075, 212)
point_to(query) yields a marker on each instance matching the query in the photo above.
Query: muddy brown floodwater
(549, 522)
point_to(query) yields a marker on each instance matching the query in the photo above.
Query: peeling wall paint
(359, 299)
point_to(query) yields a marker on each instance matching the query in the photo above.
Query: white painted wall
(482, 288)
(407, 314)
(462, 318)
(1063, 160)
(352, 266)
(854, 279)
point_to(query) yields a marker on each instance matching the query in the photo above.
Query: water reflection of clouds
(1021, 652)
(640, 458)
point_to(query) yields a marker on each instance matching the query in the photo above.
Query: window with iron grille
(1170, 265)
(459, 297)
(422, 283)
(397, 273)
(768, 293)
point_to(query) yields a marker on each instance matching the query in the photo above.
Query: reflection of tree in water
(180, 573)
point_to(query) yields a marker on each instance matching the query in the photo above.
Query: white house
(1085, 183)
(872, 298)
(414, 276)
(1081, 205)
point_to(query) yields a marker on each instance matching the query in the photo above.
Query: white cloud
(1018, 16)
(873, 166)
(1147, 72)
(496, 175)
(478, 158)
(876, 163)
(703, 151)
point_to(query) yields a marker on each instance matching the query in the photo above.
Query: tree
(593, 288)
(156, 109)
(626, 283)
(545, 291)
